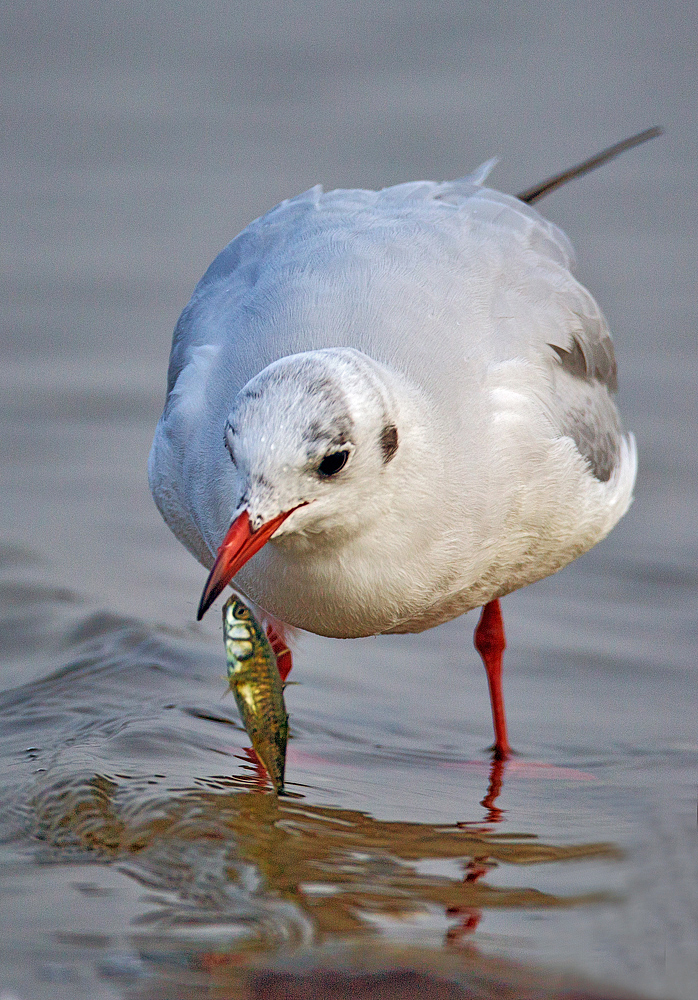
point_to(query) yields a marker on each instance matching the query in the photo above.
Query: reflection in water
(102, 752)
(494, 814)
(468, 918)
(256, 871)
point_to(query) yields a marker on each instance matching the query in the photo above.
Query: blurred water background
(139, 854)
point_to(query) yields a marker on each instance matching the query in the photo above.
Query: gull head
(317, 443)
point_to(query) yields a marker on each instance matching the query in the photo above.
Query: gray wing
(557, 321)
(233, 276)
(540, 311)
(586, 384)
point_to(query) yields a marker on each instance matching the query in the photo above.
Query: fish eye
(333, 463)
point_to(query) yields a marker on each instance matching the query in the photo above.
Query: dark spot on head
(325, 389)
(251, 393)
(263, 483)
(326, 442)
(389, 442)
(335, 435)
(339, 440)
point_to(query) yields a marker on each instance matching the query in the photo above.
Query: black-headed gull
(408, 395)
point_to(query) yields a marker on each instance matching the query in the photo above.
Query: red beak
(239, 545)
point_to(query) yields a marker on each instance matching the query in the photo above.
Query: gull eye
(333, 463)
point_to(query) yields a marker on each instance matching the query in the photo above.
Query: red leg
(284, 660)
(490, 644)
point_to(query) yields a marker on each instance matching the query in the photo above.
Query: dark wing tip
(540, 190)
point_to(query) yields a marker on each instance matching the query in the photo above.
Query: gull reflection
(249, 870)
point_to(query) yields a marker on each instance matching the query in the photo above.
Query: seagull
(388, 408)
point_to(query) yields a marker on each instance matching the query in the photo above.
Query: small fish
(254, 680)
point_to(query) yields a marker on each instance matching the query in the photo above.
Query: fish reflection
(281, 870)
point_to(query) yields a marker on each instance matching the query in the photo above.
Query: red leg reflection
(490, 644)
(284, 660)
(494, 813)
(261, 778)
(470, 916)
